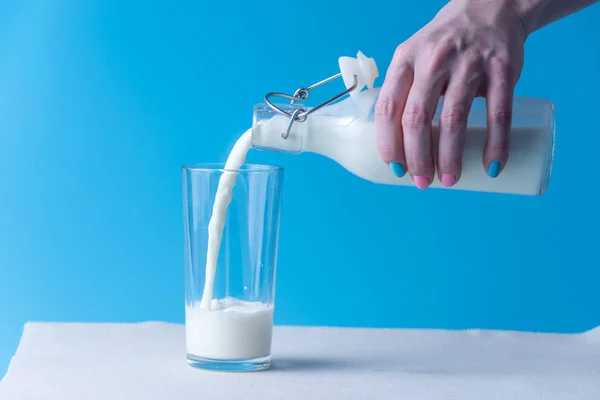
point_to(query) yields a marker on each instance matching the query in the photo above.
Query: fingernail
(494, 169)
(398, 169)
(448, 180)
(422, 182)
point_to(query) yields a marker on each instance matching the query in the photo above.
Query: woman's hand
(471, 48)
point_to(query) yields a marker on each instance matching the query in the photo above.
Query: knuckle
(472, 59)
(500, 66)
(448, 41)
(395, 70)
(436, 59)
(501, 116)
(500, 147)
(429, 48)
(468, 72)
(454, 118)
(398, 79)
(503, 57)
(386, 107)
(415, 119)
(442, 43)
(471, 72)
(402, 54)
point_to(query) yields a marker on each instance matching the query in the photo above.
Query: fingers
(408, 100)
(388, 115)
(459, 96)
(416, 125)
(499, 116)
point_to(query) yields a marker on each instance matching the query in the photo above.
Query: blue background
(101, 102)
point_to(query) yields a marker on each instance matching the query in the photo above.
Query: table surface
(146, 361)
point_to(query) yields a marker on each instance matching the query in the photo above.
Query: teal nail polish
(494, 169)
(398, 169)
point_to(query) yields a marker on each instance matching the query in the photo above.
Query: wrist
(529, 12)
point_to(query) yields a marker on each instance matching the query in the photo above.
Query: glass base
(249, 365)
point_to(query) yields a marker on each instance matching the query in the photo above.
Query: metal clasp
(300, 96)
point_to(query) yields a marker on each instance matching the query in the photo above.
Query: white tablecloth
(64, 361)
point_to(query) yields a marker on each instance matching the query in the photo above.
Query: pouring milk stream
(345, 132)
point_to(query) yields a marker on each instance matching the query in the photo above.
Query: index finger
(388, 115)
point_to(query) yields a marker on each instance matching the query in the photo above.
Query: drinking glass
(229, 323)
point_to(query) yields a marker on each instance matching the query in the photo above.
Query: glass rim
(220, 167)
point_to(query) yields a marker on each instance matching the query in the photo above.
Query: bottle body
(345, 132)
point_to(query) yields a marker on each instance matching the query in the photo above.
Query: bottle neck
(271, 130)
(272, 133)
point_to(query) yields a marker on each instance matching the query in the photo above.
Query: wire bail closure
(300, 96)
